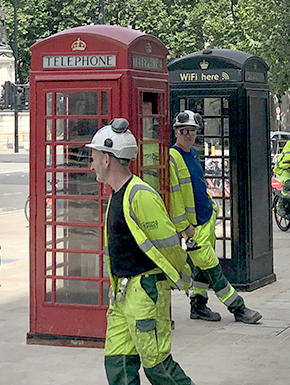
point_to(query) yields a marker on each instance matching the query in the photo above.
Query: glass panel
(105, 122)
(48, 290)
(77, 103)
(48, 182)
(77, 264)
(48, 241)
(48, 208)
(228, 249)
(227, 228)
(212, 106)
(182, 105)
(219, 249)
(77, 237)
(76, 130)
(105, 269)
(48, 262)
(83, 292)
(105, 293)
(150, 128)
(104, 103)
(48, 157)
(152, 178)
(73, 156)
(48, 130)
(74, 183)
(77, 210)
(225, 104)
(48, 110)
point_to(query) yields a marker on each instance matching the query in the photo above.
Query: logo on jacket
(150, 225)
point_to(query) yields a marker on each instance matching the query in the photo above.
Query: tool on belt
(120, 296)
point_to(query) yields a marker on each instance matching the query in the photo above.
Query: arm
(177, 205)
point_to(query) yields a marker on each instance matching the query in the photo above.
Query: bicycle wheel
(26, 208)
(283, 222)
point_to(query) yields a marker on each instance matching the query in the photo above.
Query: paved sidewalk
(222, 353)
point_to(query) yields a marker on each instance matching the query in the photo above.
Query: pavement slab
(217, 353)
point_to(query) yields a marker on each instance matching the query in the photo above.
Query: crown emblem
(204, 65)
(148, 47)
(78, 45)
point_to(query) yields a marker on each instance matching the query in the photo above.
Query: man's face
(186, 136)
(99, 165)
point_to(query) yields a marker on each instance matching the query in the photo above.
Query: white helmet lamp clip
(117, 139)
(187, 118)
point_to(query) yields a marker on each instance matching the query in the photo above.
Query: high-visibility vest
(182, 205)
(149, 223)
(283, 161)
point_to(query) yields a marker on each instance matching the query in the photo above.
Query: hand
(190, 231)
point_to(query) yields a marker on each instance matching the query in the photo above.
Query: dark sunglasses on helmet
(119, 125)
(182, 117)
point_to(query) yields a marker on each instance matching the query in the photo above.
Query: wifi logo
(225, 76)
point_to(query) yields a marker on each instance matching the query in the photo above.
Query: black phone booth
(229, 89)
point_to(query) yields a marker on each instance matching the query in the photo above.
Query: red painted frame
(127, 85)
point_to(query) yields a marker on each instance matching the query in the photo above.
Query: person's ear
(107, 159)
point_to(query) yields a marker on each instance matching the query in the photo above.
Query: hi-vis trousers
(207, 271)
(139, 332)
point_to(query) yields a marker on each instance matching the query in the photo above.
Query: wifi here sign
(205, 76)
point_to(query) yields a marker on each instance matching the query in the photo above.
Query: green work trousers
(207, 272)
(139, 332)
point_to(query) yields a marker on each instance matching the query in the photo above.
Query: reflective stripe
(175, 188)
(171, 241)
(106, 249)
(185, 277)
(185, 180)
(138, 187)
(224, 291)
(231, 299)
(146, 246)
(200, 285)
(190, 209)
(204, 294)
(181, 180)
(174, 163)
(179, 219)
(133, 192)
(179, 284)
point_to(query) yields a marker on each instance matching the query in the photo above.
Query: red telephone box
(80, 79)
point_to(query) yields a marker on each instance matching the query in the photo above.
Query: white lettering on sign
(151, 63)
(82, 61)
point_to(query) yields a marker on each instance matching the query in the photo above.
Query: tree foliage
(184, 26)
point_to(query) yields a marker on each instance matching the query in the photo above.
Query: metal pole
(101, 18)
(16, 77)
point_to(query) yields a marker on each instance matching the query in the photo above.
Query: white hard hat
(188, 118)
(117, 139)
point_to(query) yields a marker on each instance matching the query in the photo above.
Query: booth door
(213, 147)
(153, 140)
(71, 288)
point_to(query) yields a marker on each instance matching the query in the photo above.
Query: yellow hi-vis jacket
(283, 162)
(149, 223)
(182, 205)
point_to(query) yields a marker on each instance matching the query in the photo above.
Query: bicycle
(48, 208)
(282, 220)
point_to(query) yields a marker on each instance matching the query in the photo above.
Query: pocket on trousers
(146, 337)
(149, 285)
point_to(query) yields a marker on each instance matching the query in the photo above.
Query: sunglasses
(185, 131)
